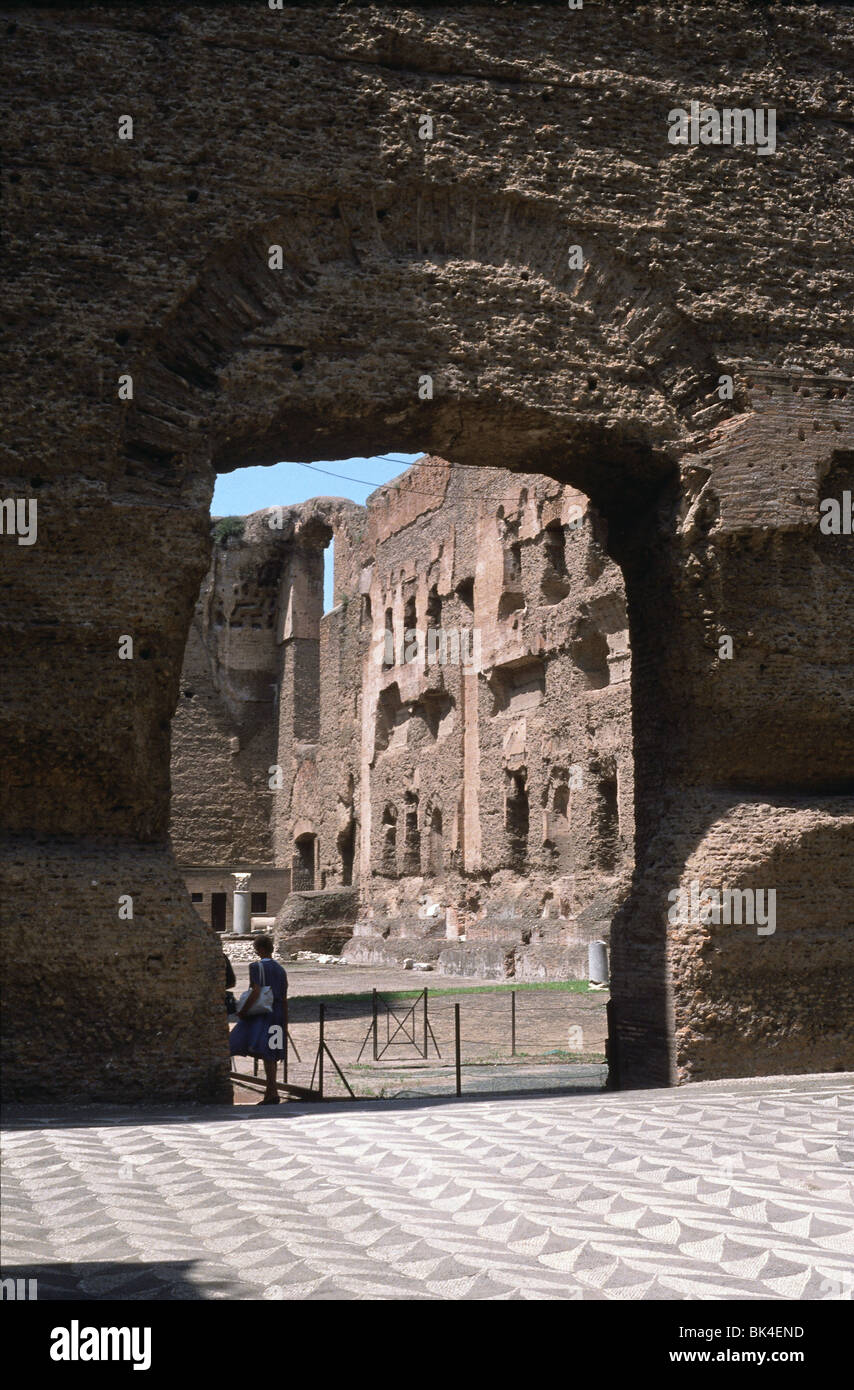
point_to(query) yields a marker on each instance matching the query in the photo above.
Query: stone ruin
(441, 765)
(287, 261)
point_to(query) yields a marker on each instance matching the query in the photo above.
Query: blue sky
(282, 484)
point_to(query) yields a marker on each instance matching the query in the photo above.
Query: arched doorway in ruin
(304, 864)
(435, 844)
(370, 337)
(347, 853)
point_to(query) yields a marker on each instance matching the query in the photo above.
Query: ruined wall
(223, 730)
(317, 717)
(339, 792)
(250, 694)
(497, 778)
(403, 257)
(506, 664)
(738, 638)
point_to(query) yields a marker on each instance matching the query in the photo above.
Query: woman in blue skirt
(263, 1035)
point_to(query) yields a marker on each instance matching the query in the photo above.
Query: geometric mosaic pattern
(731, 1190)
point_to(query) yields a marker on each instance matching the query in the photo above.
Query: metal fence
(444, 1042)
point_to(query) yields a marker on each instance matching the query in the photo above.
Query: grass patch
(552, 986)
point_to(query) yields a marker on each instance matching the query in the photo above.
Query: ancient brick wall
(513, 701)
(421, 732)
(223, 730)
(447, 257)
(250, 694)
(338, 808)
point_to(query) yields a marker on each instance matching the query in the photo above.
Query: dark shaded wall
(402, 258)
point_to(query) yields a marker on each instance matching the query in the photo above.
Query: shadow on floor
(112, 1280)
(34, 1116)
(29, 1117)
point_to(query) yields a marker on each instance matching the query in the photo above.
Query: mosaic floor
(729, 1190)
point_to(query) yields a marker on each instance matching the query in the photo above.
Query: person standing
(257, 1035)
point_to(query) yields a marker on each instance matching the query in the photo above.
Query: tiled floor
(727, 1190)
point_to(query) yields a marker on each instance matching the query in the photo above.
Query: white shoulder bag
(264, 1003)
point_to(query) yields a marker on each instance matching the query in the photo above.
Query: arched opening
(409, 716)
(347, 853)
(411, 835)
(554, 583)
(590, 650)
(410, 629)
(219, 359)
(512, 597)
(329, 595)
(389, 654)
(516, 818)
(607, 817)
(465, 593)
(513, 569)
(436, 845)
(304, 864)
(388, 850)
(557, 824)
(434, 644)
(520, 687)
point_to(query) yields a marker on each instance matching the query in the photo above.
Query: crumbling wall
(223, 730)
(493, 738)
(250, 693)
(474, 668)
(339, 794)
(404, 258)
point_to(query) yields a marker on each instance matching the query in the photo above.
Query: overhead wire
(421, 492)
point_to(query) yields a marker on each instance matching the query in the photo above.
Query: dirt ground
(560, 1034)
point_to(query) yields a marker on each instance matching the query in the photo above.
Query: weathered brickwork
(246, 733)
(453, 738)
(403, 258)
(223, 736)
(496, 770)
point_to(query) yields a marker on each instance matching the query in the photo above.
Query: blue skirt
(250, 1037)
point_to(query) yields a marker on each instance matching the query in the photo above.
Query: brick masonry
(403, 257)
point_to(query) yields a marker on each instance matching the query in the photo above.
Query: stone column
(597, 963)
(240, 919)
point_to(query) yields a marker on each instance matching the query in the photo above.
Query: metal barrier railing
(399, 1024)
(323, 1050)
(406, 1025)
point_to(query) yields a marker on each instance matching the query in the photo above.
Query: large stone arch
(600, 376)
(530, 357)
(215, 385)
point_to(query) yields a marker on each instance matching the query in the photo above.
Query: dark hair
(264, 943)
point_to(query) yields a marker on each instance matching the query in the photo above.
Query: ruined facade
(402, 258)
(250, 694)
(452, 740)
